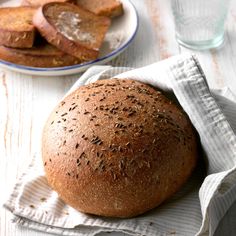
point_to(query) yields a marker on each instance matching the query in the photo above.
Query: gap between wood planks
(163, 26)
(4, 84)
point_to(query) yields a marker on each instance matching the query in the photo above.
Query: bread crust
(12, 34)
(109, 8)
(55, 37)
(38, 3)
(117, 148)
(42, 56)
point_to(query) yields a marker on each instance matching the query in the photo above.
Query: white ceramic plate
(121, 33)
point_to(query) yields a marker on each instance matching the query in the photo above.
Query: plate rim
(117, 51)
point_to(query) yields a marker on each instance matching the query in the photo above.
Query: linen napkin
(195, 210)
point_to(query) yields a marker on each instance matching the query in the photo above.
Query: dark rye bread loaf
(117, 148)
(44, 55)
(16, 27)
(72, 29)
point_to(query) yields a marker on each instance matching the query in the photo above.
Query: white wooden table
(25, 101)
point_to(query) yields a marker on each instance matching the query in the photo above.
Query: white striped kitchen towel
(201, 203)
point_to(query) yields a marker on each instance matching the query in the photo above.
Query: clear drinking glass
(199, 24)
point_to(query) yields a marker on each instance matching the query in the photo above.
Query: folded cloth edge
(173, 69)
(187, 82)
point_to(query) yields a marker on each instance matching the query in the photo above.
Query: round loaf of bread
(117, 148)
